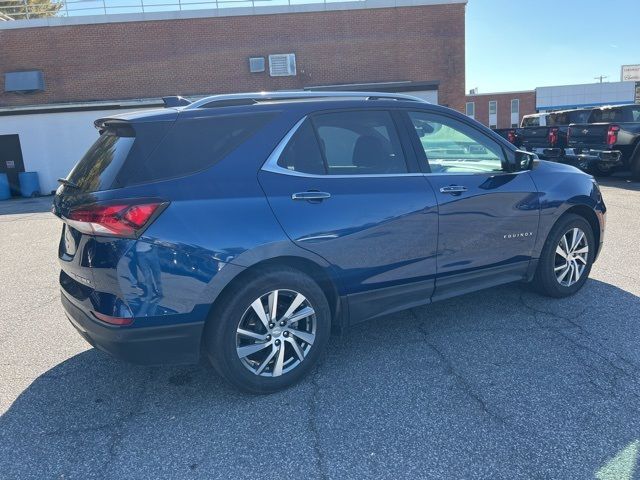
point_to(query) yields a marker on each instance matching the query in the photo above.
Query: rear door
(11, 161)
(488, 217)
(342, 185)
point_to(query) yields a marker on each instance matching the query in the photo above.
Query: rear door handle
(453, 189)
(311, 195)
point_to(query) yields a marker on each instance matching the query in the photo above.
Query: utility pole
(601, 77)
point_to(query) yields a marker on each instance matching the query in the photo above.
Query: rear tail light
(120, 219)
(511, 136)
(553, 136)
(612, 135)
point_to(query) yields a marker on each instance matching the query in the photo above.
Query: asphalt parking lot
(500, 384)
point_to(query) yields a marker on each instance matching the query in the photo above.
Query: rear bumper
(586, 159)
(157, 345)
(547, 153)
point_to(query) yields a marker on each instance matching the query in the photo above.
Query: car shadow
(621, 180)
(494, 383)
(20, 206)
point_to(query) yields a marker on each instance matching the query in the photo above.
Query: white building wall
(430, 96)
(587, 95)
(52, 143)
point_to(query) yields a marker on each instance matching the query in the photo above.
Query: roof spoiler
(121, 128)
(175, 101)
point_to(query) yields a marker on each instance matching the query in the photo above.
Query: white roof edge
(498, 93)
(220, 12)
(88, 105)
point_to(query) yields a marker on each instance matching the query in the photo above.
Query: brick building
(110, 59)
(500, 110)
(59, 74)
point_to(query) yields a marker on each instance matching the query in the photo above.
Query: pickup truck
(509, 134)
(546, 133)
(610, 140)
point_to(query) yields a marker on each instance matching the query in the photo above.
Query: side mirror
(524, 160)
(424, 129)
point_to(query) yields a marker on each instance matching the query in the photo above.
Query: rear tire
(597, 170)
(567, 257)
(243, 322)
(634, 163)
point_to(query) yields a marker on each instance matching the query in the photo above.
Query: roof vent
(282, 65)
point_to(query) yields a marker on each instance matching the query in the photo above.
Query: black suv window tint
(99, 166)
(360, 143)
(452, 146)
(302, 153)
(191, 145)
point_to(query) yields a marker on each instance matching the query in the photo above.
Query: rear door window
(360, 143)
(345, 143)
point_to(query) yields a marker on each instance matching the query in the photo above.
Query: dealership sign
(630, 73)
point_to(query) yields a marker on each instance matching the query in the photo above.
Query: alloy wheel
(572, 255)
(276, 333)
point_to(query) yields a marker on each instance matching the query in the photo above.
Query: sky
(523, 44)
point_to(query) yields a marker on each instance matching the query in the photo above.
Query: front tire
(567, 257)
(268, 333)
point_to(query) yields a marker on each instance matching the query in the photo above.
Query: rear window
(566, 118)
(135, 153)
(537, 121)
(619, 115)
(100, 165)
(191, 145)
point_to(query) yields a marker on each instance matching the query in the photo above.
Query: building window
(493, 114)
(515, 106)
(471, 109)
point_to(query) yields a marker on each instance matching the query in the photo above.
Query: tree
(21, 9)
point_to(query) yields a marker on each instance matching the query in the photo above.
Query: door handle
(453, 189)
(311, 196)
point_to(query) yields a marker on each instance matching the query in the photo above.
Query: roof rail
(249, 98)
(175, 101)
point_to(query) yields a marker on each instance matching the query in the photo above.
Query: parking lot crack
(321, 467)
(602, 365)
(449, 368)
(118, 426)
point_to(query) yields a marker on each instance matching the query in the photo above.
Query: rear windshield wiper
(68, 183)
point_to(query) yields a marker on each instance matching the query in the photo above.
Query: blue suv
(246, 226)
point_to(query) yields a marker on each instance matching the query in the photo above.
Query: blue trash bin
(29, 184)
(5, 191)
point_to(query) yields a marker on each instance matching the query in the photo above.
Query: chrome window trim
(271, 165)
